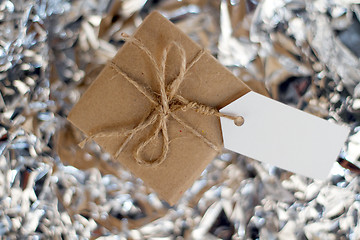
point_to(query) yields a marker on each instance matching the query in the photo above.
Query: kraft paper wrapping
(112, 102)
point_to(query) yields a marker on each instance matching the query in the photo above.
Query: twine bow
(165, 104)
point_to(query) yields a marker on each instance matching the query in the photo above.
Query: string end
(239, 121)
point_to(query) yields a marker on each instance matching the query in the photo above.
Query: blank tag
(283, 136)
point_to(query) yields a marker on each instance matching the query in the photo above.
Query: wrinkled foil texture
(303, 53)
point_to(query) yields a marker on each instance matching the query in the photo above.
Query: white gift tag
(283, 136)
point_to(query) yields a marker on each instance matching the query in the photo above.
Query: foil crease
(303, 53)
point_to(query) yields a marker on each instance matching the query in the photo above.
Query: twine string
(166, 104)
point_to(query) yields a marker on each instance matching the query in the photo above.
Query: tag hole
(239, 121)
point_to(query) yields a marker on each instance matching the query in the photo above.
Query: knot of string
(165, 104)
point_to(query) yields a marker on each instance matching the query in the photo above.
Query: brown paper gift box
(112, 102)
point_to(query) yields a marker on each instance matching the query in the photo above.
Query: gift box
(154, 107)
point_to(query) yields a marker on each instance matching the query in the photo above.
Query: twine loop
(166, 103)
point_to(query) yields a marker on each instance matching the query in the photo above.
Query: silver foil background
(303, 53)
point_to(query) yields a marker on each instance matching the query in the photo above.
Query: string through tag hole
(239, 121)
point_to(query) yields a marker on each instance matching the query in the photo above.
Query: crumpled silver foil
(303, 53)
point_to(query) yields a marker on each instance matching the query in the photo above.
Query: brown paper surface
(112, 102)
